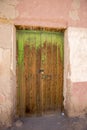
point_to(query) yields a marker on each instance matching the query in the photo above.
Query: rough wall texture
(48, 13)
(45, 13)
(7, 75)
(76, 71)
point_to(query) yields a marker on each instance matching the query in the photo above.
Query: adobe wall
(75, 72)
(70, 15)
(48, 13)
(7, 73)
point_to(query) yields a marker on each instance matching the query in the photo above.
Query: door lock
(41, 71)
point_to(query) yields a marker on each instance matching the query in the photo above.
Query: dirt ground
(49, 122)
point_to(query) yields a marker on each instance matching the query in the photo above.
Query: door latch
(41, 71)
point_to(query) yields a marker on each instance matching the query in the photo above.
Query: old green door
(39, 72)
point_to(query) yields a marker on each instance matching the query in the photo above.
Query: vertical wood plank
(49, 76)
(60, 81)
(43, 80)
(33, 83)
(38, 96)
(54, 75)
(27, 74)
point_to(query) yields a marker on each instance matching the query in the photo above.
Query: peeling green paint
(37, 39)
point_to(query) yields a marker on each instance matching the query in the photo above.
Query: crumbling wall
(45, 13)
(7, 73)
(75, 79)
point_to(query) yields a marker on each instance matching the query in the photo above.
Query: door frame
(41, 28)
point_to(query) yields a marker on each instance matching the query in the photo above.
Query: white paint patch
(77, 38)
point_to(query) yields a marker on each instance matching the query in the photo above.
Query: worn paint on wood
(40, 71)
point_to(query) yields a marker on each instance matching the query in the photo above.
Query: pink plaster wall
(79, 97)
(52, 13)
(75, 71)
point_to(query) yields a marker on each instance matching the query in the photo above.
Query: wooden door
(39, 72)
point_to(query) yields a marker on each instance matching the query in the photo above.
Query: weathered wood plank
(40, 75)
